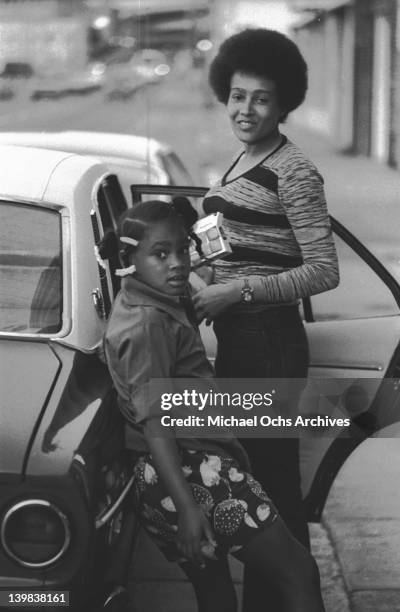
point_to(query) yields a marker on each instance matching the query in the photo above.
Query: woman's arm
(302, 196)
(301, 193)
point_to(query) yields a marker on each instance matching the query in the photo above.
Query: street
(175, 111)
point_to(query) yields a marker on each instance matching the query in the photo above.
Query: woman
(276, 220)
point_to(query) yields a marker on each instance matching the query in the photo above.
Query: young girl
(194, 497)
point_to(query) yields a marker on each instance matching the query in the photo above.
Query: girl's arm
(193, 526)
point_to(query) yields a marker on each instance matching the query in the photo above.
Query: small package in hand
(214, 243)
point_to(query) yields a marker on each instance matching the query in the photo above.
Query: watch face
(247, 295)
(247, 292)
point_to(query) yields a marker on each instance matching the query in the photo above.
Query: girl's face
(253, 108)
(162, 258)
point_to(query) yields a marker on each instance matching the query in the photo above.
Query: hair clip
(125, 271)
(128, 240)
(99, 260)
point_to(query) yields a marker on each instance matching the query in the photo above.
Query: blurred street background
(140, 67)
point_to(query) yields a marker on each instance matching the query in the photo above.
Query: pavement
(159, 586)
(357, 543)
(362, 522)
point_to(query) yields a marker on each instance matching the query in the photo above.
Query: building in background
(48, 35)
(352, 49)
(167, 25)
(231, 16)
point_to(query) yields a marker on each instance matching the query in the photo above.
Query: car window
(361, 293)
(175, 169)
(30, 269)
(128, 174)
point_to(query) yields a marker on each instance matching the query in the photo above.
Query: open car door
(354, 333)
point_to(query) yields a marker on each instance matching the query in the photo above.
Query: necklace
(263, 152)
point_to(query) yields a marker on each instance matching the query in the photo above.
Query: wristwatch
(247, 293)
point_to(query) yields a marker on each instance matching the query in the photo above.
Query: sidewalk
(362, 519)
(159, 586)
(362, 193)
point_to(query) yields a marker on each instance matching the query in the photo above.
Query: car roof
(41, 175)
(92, 143)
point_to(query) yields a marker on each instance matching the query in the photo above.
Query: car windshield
(30, 269)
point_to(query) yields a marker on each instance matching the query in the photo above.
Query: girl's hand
(211, 301)
(193, 529)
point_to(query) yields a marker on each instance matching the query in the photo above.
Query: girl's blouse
(149, 337)
(277, 223)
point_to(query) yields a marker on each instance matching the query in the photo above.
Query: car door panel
(341, 352)
(353, 334)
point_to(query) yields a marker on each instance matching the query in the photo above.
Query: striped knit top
(277, 223)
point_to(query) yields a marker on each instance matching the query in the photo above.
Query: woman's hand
(193, 529)
(211, 301)
(206, 273)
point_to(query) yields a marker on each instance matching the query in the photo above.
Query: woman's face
(162, 258)
(253, 108)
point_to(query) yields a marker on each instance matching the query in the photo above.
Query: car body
(53, 86)
(145, 67)
(17, 70)
(7, 91)
(64, 473)
(151, 63)
(138, 159)
(15, 77)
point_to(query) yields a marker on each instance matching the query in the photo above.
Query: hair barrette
(99, 260)
(125, 271)
(128, 240)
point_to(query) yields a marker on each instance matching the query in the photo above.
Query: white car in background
(146, 67)
(137, 159)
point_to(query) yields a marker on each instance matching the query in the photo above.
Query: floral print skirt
(233, 501)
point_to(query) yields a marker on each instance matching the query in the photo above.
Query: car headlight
(35, 533)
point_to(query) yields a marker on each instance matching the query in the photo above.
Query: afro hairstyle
(263, 53)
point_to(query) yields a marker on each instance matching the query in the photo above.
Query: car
(14, 79)
(65, 520)
(145, 67)
(58, 85)
(151, 63)
(7, 91)
(137, 158)
(17, 70)
(65, 476)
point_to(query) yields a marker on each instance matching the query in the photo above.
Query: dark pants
(268, 343)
